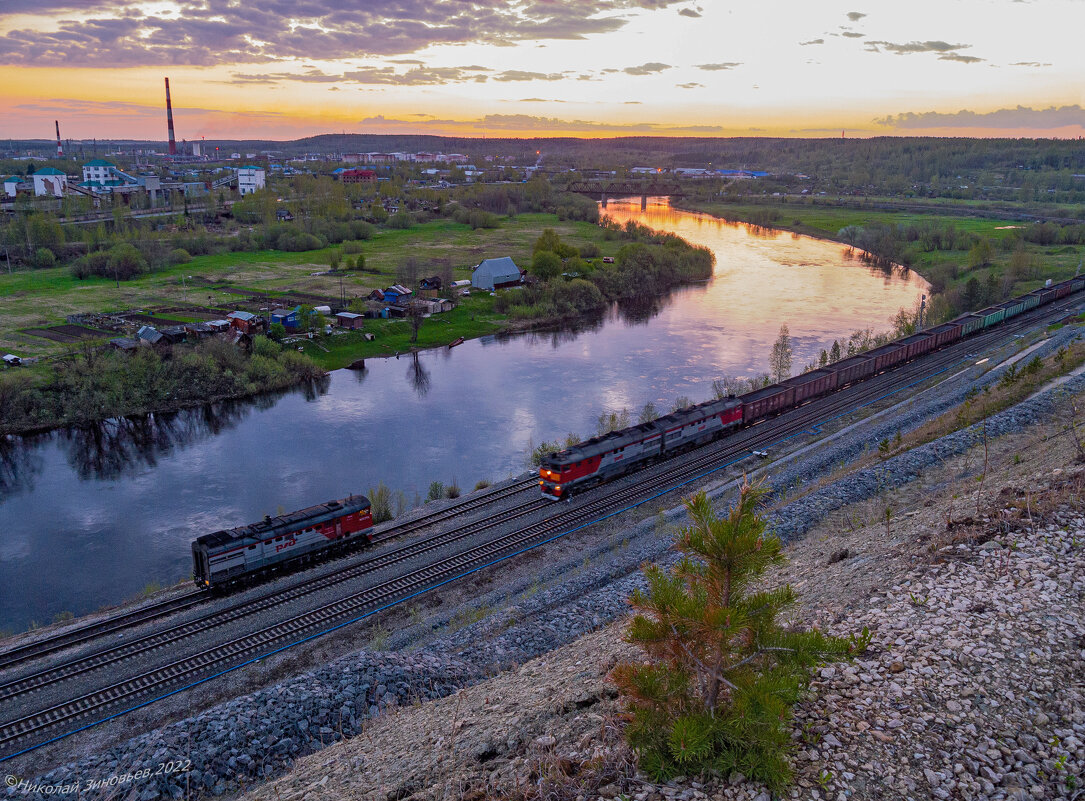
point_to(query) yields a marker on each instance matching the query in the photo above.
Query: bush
(44, 258)
(401, 221)
(436, 491)
(452, 490)
(276, 332)
(178, 256)
(352, 246)
(723, 675)
(482, 484)
(546, 265)
(589, 251)
(380, 503)
(125, 261)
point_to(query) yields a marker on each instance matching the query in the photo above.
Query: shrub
(436, 491)
(380, 503)
(352, 246)
(452, 490)
(482, 484)
(44, 258)
(276, 332)
(723, 676)
(125, 261)
(178, 256)
(546, 265)
(400, 220)
(589, 251)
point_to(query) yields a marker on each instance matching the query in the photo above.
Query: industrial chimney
(169, 119)
(60, 150)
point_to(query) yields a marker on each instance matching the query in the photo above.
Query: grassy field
(474, 317)
(45, 297)
(1055, 261)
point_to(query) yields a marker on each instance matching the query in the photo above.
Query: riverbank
(89, 387)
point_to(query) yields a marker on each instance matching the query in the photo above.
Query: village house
(496, 273)
(244, 321)
(287, 318)
(349, 320)
(430, 287)
(397, 294)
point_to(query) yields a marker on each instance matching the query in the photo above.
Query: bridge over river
(604, 190)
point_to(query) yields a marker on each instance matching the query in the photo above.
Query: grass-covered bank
(474, 317)
(970, 262)
(87, 386)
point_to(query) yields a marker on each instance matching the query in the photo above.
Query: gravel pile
(971, 690)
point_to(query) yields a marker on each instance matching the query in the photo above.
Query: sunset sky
(281, 69)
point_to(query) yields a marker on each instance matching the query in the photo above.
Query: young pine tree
(723, 674)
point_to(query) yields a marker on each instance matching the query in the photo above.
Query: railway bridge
(604, 190)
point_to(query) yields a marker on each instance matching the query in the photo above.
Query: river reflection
(90, 516)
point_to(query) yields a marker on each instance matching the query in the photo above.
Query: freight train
(603, 458)
(239, 555)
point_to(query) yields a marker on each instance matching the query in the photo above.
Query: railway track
(587, 509)
(146, 614)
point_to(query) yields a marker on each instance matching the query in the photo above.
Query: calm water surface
(91, 517)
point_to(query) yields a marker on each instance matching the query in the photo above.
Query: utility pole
(922, 313)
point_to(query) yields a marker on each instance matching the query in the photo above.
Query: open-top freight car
(811, 385)
(765, 402)
(240, 554)
(945, 333)
(851, 369)
(887, 356)
(992, 315)
(916, 345)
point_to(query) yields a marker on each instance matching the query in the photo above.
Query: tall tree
(781, 356)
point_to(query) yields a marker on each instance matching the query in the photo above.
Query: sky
(281, 69)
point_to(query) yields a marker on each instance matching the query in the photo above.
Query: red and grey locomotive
(240, 554)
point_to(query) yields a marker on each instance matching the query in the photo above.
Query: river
(89, 518)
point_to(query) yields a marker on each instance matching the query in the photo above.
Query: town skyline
(597, 68)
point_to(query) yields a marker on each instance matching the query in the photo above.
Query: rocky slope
(972, 686)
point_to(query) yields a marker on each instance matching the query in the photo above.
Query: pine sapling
(723, 674)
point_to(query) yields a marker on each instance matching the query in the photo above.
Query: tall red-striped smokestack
(60, 150)
(169, 119)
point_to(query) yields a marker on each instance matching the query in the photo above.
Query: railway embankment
(852, 568)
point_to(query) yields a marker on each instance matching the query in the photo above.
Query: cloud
(126, 33)
(648, 68)
(1031, 64)
(960, 58)
(914, 47)
(312, 76)
(538, 100)
(855, 16)
(812, 42)
(1022, 117)
(419, 76)
(521, 75)
(526, 123)
(853, 35)
(723, 65)
(690, 85)
(688, 12)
